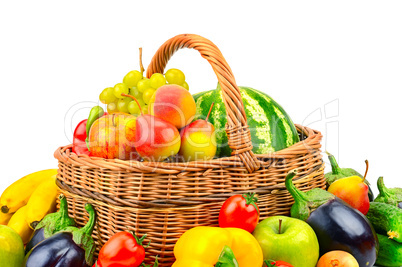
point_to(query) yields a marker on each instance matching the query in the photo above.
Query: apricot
(174, 104)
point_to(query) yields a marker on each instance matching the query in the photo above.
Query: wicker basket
(163, 200)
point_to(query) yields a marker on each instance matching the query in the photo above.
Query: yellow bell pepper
(202, 246)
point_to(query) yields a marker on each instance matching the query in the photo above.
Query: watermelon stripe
(258, 123)
(283, 121)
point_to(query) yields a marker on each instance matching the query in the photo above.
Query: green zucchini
(390, 253)
(386, 220)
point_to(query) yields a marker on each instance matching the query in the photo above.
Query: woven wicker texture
(163, 200)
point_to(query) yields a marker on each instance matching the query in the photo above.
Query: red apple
(156, 139)
(112, 136)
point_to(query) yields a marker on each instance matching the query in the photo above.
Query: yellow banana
(18, 194)
(19, 224)
(42, 202)
(5, 217)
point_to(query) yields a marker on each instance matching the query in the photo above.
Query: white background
(334, 66)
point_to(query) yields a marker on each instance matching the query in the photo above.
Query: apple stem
(209, 112)
(136, 101)
(141, 66)
(280, 226)
(114, 119)
(367, 167)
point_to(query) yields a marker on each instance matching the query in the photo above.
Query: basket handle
(236, 128)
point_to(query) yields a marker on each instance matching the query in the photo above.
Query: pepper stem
(136, 101)
(334, 165)
(95, 113)
(227, 258)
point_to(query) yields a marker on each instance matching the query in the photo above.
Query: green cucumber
(390, 253)
(386, 220)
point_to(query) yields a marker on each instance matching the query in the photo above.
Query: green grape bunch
(135, 84)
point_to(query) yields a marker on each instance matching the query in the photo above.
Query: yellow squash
(42, 202)
(19, 224)
(202, 246)
(18, 194)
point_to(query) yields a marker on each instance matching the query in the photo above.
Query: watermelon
(270, 126)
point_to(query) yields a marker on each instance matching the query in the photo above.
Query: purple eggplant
(71, 247)
(337, 225)
(51, 224)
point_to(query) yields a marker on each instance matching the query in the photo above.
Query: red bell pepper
(122, 249)
(80, 134)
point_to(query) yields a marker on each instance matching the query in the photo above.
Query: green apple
(11, 248)
(288, 239)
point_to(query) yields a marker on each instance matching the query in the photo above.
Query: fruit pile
(157, 119)
(147, 119)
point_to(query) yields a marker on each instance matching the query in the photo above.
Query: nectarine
(173, 104)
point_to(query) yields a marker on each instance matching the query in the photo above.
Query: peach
(173, 104)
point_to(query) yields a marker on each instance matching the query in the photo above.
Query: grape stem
(141, 66)
(136, 101)
(209, 112)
